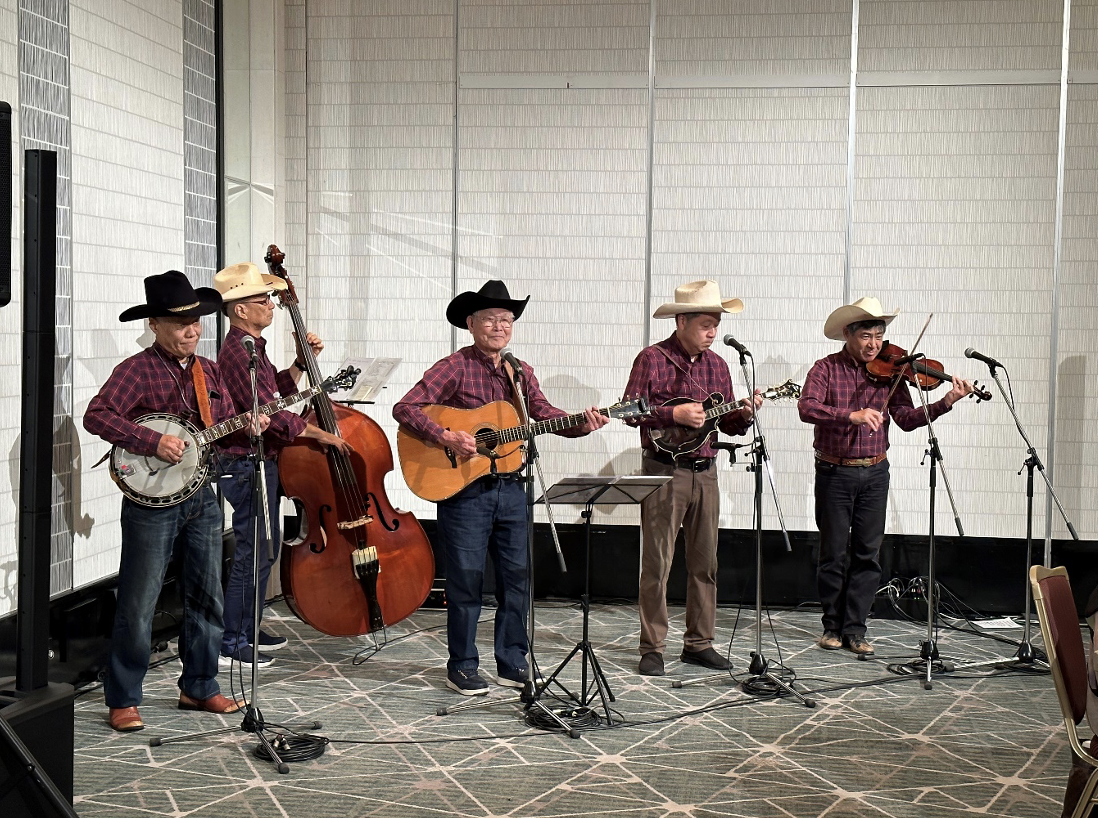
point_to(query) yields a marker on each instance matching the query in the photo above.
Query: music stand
(590, 491)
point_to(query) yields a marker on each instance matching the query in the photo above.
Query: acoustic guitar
(682, 440)
(436, 472)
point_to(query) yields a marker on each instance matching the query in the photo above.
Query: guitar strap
(201, 394)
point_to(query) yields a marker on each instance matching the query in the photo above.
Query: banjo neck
(234, 424)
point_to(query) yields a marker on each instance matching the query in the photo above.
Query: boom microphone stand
(760, 680)
(1026, 655)
(253, 718)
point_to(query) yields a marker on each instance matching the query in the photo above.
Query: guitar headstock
(785, 391)
(344, 379)
(625, 409)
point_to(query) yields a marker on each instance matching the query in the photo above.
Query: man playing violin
(848, 409)
(167, 377)
(489, 515)
(683, 366)
(246, 293)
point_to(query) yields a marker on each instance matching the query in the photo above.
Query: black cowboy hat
(171, 293)
(492, 294)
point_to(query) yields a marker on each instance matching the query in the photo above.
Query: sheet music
(375, 373)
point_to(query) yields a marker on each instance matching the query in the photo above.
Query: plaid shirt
(152, 381)
(660, 380)
(233, 360)
(838, 385)
(468, 380)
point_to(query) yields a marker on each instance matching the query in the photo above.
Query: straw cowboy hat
(242, 280)
(170, 294)
(698, 296)
(867, 308)
(492, 295)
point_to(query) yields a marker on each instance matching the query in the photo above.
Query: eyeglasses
(496, 322)
(262, 299)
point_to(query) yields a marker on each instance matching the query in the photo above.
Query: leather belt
(694, 464)
(851, 461)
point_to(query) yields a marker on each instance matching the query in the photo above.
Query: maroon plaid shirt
(152, 381)
(838, 385)
(660, 380)
(233, 360)
(467, 380)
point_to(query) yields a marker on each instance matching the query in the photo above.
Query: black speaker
(36, 755)
(36, 442)
(5, 204)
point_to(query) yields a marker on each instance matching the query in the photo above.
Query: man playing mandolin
(489, 515)
(246, 293)
(848, 409)
(678, 375)
(168, 377)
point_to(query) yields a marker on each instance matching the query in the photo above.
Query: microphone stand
(1026, 655)
(760, 679)
(928, 648)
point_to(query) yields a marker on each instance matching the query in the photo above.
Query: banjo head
(150, 481)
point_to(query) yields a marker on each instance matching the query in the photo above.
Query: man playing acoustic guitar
(683, 366)
(489, 515)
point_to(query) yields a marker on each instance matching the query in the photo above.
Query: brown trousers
(690, 501)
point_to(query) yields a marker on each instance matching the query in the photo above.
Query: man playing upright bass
(250, 310)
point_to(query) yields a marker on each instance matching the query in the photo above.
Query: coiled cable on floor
(292, 747)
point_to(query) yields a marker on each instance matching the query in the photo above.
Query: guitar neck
(542, 426)
(721, 409)
(235, 424)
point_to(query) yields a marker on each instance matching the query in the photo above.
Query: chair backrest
(1063, 639)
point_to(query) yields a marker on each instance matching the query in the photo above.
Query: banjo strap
(201, 394)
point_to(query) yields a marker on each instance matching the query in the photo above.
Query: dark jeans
(488, 517)
(239, 592)
(850, 513)
(148, 535)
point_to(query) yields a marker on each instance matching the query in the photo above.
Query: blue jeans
(239, 592)
(850, 513)
(148, 536)
(488, 517)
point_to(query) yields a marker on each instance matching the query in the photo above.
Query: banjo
(150, 481)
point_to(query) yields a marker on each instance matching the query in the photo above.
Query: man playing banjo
(168, 377)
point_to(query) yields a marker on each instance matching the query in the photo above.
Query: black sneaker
(466, 682)
(268, 641)
(244, 657)
(516, 678)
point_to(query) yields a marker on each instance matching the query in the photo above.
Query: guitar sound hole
(487, 438)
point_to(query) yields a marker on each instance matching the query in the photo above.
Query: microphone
(740, 348)
(249, 344)
(979, 356)
(509, 357)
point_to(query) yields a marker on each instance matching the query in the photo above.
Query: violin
(921, 372)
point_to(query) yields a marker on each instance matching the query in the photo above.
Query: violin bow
(900, 374)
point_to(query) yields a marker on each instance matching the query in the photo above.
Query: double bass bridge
(347, 525)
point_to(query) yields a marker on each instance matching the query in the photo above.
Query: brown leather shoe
(126, 719)
(651, 664)
(215, 704)
(830, 641)
(857, 644)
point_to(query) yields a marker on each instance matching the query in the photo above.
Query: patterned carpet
(876, 744)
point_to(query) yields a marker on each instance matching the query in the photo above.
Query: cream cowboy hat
(698, 296)
(242, 280)
(864, 309)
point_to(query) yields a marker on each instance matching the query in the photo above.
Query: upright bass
(360, 564)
